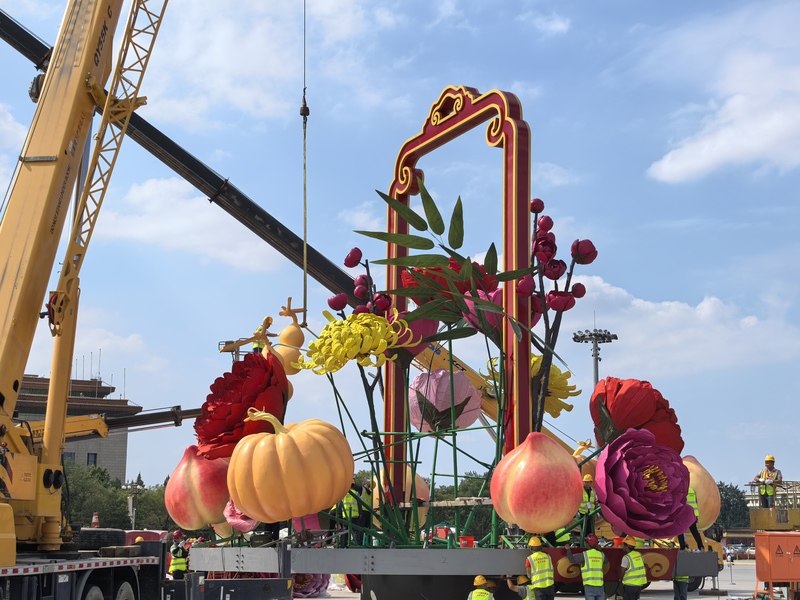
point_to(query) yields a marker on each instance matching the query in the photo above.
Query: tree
(90, 490)
(469, 486)
(733, 506)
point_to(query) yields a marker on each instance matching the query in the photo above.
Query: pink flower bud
(545, 223)
(361, 308)
(338, 302)
(554, 269)
(526, 286)
(536, 310)
(353, 258)
(544, 247)
(362, 280)
(537, 206)
(579, 290)
(382, 302)
(583, 252)
(560, 301)
(360, 292)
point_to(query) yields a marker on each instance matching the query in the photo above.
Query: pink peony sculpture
(310, 585)
(429, 401)
(238, 520)
(642, 485)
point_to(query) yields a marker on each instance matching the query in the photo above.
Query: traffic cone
(95, 520)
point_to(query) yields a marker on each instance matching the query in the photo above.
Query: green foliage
(151, 512)
(91, 490)
(733, 509)
(469, 486)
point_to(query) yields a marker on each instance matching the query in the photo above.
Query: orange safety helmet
(479, 580)
(629, 541)
(535, 542)
(138, 539)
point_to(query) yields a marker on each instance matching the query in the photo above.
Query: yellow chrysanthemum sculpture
(362, 337)
(558, 388)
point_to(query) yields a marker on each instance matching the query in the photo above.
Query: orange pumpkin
(300, 469)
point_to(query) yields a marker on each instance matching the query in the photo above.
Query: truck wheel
(695, 583)
(93, 593)
(93, 538)
(125, 592)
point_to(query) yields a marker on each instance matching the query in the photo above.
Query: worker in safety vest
(634, 575)
(481, 591)
(259, 344)
(522, 587)
(539, 568)
(587, 505)
(179, 555)
(351, 511)
(767, 478)
(680, 587)
(691, 500)
(591, 561)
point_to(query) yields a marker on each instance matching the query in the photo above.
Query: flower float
(308, 466)
(537, 485)
(237, 519)
(363, 337)
(708, 499)
(197, 492)
(430, 396)
(310, 585)
(641, 486)
(618, 405)
(258, 382)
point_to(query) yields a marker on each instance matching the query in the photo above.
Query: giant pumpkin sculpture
(300, 469)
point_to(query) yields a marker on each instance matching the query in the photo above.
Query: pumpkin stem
(253, 414)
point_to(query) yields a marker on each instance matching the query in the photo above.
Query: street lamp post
(596, 337)
(133, 489)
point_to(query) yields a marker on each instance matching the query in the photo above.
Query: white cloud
(525, 90)
(12, 133)
(364, 217)
(671, 339)
(547, 25)
(548, 175)
(748, 62)
(158, 213)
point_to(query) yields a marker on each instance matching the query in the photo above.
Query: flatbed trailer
(444, 574)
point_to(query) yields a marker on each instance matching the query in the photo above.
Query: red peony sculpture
(618, 404)
(257, 381)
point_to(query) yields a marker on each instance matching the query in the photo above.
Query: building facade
(86, 397)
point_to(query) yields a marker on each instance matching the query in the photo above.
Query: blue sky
(667, 133)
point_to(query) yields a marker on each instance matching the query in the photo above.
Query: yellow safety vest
(350, 507)
(589, 500)
(769, 490)
(691, 499)
(592, 568)
(541, 570)
(562, 535)
(178, 564)
(681, 578)
(635, 573)
(480, 595)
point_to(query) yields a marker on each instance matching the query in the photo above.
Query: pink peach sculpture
(537, 485)
(197, 491)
